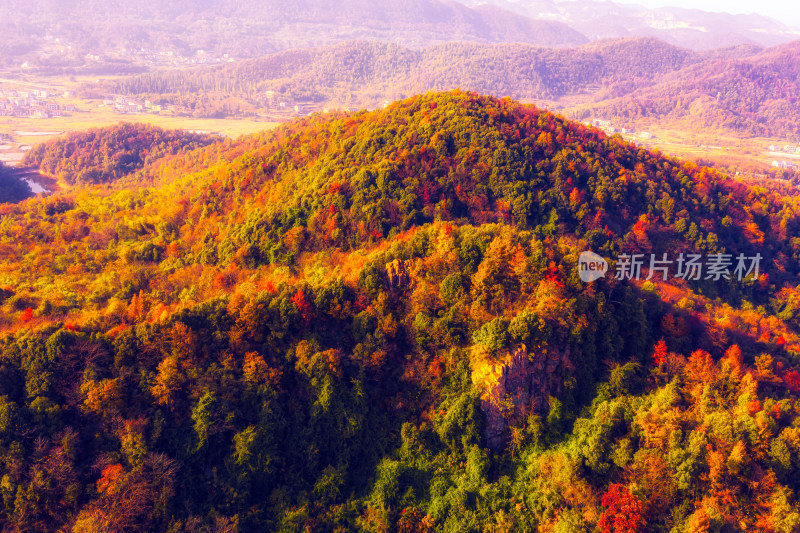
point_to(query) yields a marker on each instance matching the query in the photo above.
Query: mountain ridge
(753, 95)
(386, 70)
(185, 27)
(621, 79)
(375, 321)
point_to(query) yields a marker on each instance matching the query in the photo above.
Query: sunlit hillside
(375, 322)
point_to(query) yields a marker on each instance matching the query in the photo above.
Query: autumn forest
(374, 321)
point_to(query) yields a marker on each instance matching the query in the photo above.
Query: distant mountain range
(248, 29)
(692, 28)
(742, 88)
(99, 33)
(363, 74)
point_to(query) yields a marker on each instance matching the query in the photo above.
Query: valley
(23, 128)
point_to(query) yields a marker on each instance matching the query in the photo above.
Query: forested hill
(375, 322)
(363, 74)
(107, 154)
(756, 95)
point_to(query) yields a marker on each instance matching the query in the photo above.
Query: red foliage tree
(623, 512)
(303, 306)
(792, 381)
(660, 353)
(426, 195)
(553, 274)
(110, 478)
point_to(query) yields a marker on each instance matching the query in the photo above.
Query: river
(37, 182)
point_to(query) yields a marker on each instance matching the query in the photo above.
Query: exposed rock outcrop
(396, 274)
(518, 385)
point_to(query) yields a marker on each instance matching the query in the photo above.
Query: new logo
(591, 266)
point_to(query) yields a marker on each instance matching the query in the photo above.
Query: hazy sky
(785, 11)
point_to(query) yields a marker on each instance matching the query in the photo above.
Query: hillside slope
(375, 322)
(363, 74)
(754, 95)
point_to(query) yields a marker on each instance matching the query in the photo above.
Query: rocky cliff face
(396, 274)
(518, 385)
